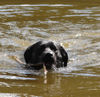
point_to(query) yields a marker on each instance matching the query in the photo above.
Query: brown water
(74, 23)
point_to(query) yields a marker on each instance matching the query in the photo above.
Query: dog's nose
(48, 55)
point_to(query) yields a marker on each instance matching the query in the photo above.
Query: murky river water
(74, 23)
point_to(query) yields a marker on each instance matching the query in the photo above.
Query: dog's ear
(29, 54)
(64, 55)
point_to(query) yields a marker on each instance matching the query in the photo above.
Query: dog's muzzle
(48, 58)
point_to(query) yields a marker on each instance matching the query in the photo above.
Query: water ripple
(34, 5)
(15, 77)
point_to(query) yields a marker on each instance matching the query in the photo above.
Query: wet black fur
(46, 52)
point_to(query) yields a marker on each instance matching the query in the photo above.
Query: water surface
(73, 23)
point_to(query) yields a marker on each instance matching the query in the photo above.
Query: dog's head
(47, 53)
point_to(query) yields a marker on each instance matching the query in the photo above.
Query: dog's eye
(53, 48)
(42, 48)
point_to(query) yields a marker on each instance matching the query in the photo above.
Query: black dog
(46, 53)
